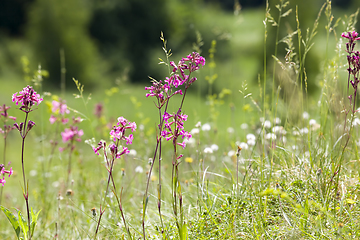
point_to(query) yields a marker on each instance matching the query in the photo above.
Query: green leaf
(12, 219)
(22, 224)
(184, 232)
(33, 218)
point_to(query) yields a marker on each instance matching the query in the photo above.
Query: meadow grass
(269, 162)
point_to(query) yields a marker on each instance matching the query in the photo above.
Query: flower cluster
(162, 90)
(118, 133)
(177, 121)
(3, 172)
(353, 58)
(72, 133)
(190, 63)
(5, 117)
(59, 109)
(27, 98)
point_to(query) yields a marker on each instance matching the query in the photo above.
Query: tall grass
(290, 174)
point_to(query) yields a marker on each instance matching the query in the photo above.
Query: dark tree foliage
(229, 4)
(13, 16)
(127, 31)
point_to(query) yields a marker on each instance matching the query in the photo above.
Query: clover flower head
(27, 98)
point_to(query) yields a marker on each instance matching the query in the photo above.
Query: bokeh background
(105, 41)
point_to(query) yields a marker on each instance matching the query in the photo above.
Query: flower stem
(26, 186)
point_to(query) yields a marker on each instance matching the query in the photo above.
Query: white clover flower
(244, 126)
(214, 147)
(258, 131)
(312, 122)
(208, 150)
(198, 124)
(132, 152)
(304, 131)
(277, 121)
(139, 169)
(267, 124)
(231, 153)
(296, 133)
(277, 129)
(250, 136)
(305, 115)
(194, 131)
(270, 136)
(206, 127)
(262, 119)
(244, 145)
(141, 127)
(230, 130)
(190, 141)
(33, 173)
(356, 122)
(251, 142)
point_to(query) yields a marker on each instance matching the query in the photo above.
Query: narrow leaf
(12, 219)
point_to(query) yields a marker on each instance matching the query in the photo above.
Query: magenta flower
(3, 172)
(72, 133)
(27, 98)
(118, 133)
(59, 109)
(352, 36)
(2, 181)
(175, 128)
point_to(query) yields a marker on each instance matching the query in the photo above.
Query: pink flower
(59, 107)
(27, 98)
(72, 133)
(52, 119)
(2, 181)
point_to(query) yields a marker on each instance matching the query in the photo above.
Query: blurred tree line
(116, 37)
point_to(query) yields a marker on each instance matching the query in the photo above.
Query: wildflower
(198, 124)
(305, 115)
(194, 131)
(214, 147)
(3, 171)
(277, 121)
(250, 136)
(2, 181)
(244, 126)
(139, 169)
(206, 127)
(243, 145)
(208, 150)
(3, 110)
(231, 153)
(304, 131)
(271, 136)
(312, 122)
(169, 132)
(98, 110)
(267, 124)
(230, 130)
(72, 133)
(132, 152)
(189, 160)
(27, 98)
(59, 108)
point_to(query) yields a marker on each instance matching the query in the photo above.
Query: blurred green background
(105, 42)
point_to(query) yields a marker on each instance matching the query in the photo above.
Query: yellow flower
(189, 160)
